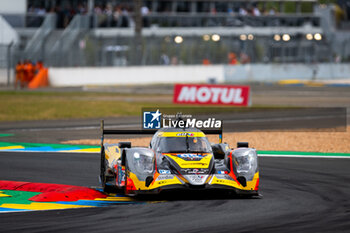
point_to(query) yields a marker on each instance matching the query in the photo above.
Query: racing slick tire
(105, 187)
(103, 167)
(103, 170)
(126, 176)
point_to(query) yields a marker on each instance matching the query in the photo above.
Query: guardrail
(64, 44)
(34, 48)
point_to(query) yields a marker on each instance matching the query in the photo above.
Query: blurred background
(249, 37)
(167, 32)
(67, 64)
(140, 49)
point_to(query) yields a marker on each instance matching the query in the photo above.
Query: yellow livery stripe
(140, 185)
(203, 163)
(160, 183)
(250, 184)
(181, 134)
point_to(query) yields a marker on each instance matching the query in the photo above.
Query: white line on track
(281, 119)
(76, 128)
(14, 211)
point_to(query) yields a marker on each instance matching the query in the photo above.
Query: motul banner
(211, 94)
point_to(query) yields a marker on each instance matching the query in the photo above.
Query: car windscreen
(184, 144)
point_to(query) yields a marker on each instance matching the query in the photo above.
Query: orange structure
(40, 80)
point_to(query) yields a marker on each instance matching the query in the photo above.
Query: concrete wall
(3, 76)
(133, 75)
(195, 74)
(276, 72)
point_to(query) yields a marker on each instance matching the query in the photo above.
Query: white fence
(133, 75)
(3, 76)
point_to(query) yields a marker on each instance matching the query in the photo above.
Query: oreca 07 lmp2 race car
(177, 158)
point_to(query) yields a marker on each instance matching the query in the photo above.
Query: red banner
(211, 94)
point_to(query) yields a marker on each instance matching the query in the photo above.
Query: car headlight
(246, 162)
(144, 161)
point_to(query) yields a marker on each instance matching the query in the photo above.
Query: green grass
(35, 105)
(17, 106)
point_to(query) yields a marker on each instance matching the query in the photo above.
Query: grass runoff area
(19, 106)
(37, 105)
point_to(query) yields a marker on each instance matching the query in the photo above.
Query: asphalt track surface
(299, 195)
(57, 131)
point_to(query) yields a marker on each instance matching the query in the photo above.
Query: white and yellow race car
(177, 158)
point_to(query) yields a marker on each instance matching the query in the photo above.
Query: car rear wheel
(126, 192)
(106, 188)
(103, 168)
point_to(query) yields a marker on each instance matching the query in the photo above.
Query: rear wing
(148, 132)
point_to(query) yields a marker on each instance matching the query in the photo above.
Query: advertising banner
(212, 94)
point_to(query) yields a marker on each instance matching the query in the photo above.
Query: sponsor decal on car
(223, 177)
(176, 134)
(191, 157)
(185, 134)
(194, 171)
(211, 94)
(164, 172)
(165, 177)
(196, 179)
(222, 172)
